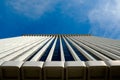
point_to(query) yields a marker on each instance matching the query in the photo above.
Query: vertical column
(67, 54)
(54, 70)
(89, 57)
(49, 58)
(21, 47)
(31, 52)
(75, 70)
(105, 52)
(72, 51)
(56, 53)
(32, 70)
(11, 70)
(21, 52)
(97, 70)
(114, 67)
(42, 51)
(61, 51)
(101, 56)
(1, 62)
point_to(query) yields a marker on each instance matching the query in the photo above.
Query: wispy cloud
(76, 9)
(36, 8)
(104, 15)
(105, 19)
(31, 8)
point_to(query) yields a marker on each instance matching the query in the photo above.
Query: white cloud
(75, 9)
(36, 8)
(104, 15)
(105, 19)
(31, 8)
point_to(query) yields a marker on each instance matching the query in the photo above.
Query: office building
(59, 57)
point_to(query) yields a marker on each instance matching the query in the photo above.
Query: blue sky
(96, 17)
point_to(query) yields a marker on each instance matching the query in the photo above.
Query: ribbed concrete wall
(59, 57)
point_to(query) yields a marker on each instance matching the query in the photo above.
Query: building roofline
(56, 35)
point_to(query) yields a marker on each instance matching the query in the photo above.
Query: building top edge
(57, 35)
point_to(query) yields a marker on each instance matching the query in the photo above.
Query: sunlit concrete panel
(54, 70)
(32, 70)
(114, 70)
(75, 70)
(97, 70)
(11, 70)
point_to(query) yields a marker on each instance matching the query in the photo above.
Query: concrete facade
(59, 57)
